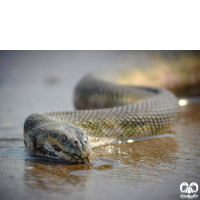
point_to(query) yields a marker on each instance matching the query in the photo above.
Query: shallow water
(149, 169)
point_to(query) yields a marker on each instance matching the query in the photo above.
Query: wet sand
(151, 169)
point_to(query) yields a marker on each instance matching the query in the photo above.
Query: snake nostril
(85, 141)
(75, 142)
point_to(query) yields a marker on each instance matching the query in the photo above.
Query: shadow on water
(54, 176)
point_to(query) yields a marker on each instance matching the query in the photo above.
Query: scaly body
(112, 112)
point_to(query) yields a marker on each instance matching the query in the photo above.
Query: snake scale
(105, 111)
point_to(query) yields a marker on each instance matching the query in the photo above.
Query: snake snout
(82, 145)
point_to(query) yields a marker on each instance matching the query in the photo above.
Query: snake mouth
(76, 159)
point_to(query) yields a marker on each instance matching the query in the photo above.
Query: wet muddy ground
(150, 169)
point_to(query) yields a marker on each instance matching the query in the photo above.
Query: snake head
(71, 144)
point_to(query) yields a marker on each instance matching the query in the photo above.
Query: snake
(106, 111)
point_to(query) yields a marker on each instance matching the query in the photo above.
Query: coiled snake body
(123, 112)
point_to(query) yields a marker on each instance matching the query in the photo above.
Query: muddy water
(150, 169)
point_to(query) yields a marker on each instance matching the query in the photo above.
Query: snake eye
(63, 138)
(55, 135)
